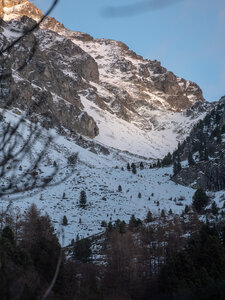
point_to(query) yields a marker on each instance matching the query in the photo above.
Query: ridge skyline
(188, 39)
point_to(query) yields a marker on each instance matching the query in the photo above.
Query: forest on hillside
(162, 257)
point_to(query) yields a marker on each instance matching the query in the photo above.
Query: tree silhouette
(200, 200)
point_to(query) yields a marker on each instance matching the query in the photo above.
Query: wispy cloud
(137, 8)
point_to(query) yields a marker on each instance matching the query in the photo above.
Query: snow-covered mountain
(97, 88)
(98, 175)
(98, 99)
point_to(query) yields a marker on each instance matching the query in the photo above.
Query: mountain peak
(16, 9)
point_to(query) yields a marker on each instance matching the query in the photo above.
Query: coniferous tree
(206, 154)
(158, 163)
(110, 226)
(191, 161)
(82, 250)
(122, 227)
(167, 160)
(186, 209)
(218, 117)
(103, 224)
(163, 215)
(196, 272)
(219, 137)
(200, 200)
(214, 208)
(141, 165)
(207, 120)
(83, 199)
(149, 217)
(133, 166)
(119, 188)
(128, 166)
(176, 168)
(65, 221)
(179, 167)
(134, 222)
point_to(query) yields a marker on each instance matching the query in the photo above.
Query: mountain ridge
(89, 84)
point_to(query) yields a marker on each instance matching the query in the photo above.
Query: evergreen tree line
(203, 140)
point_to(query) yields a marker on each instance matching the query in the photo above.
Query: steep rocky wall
(49, 81)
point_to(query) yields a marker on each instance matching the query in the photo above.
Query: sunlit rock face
(15, 9)
(93, 87)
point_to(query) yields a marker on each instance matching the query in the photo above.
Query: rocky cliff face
(78, 82)
(49, 82)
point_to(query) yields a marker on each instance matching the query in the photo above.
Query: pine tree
(219, 137)
(176, 167)
(149, 217)
(163, 215)
(200, 200)
(179, 167)
(167, 160)
(82, 250)
(119, 188)
(83, 199)
(103, 224)
(77, 237)
(214, 208)
(141, 166)
(133, 222)
(191, 161)
(134, 171)
(139, 195)
(207, 120)
(206, 154)
(128, 166)
(65, 221)
(110, 226)
(186, 209)
(122, 227)
(158, 163)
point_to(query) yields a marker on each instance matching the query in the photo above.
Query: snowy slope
(99, 175)
(119, 134)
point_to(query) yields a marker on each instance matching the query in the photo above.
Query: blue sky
(187, 36)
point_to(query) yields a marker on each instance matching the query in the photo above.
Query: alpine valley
(113, 107)
(112, 170)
